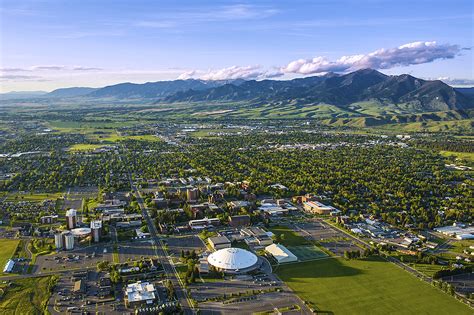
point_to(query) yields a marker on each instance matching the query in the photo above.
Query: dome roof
(232, 259)
(81, 232)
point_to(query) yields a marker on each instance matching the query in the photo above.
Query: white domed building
(234, 260)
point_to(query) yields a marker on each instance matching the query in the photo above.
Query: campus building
(139, 293)
(71, 219)
(233, 260)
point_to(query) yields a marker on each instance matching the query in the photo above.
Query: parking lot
(330, 238)
(258, 294)
(80, 258)
(186, 243)
(136, 250)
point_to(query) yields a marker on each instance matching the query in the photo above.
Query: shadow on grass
(311, 270)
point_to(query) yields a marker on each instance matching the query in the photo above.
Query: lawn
(307, 252)
(466, 156)
(116, 138)
(27, 296)
(33, 197)
(287, 236)
(369, 286)
(7, 249)
(84, 147)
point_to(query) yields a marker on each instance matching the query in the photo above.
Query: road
(168, 267)
(160, 252)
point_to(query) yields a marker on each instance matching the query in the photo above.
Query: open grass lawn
(34, 197)
(84, 147)
(287, 236)
(26, 296)
(370, 286)
(466, 156)
(307, 252)
(116, 138)
(7, 249)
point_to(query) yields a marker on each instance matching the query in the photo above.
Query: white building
(281, 253)
(140, 293)
(68, 241)
(9, 266)
(233, 260)
(58, 241)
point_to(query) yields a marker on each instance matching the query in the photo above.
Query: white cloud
(404, 55)
(231, 73)
(456, 81)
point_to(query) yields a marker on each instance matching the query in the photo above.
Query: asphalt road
(162, 256)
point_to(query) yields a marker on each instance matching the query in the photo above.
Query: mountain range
(404, 92)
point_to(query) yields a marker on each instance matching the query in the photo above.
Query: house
(219, 242)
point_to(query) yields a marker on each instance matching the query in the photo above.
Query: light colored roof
(96, 224)
(281, 253)
(140, 291)
(9, 266)
(232, 259)
(80, 232)
(71, 213)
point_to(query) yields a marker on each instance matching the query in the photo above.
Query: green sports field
(366, 287)
(307, 252)
(7, 249)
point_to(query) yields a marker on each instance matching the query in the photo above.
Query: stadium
(234, 260)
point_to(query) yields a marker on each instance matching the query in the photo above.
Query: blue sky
(51, 44)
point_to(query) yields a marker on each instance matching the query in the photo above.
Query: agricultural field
(7, 249)
(370, 286)
(26, 296)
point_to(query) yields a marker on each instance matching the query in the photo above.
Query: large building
(139, 293)
(219, 242)
(233, 260)
(96, 227)
(68, 240)
(58, 241)
(71, 219)
(281, 253)
(9, 266)
(317, 207)
(192, 194)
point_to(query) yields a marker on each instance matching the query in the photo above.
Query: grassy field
(366, 287)
(27, 296)
(307, 252)
(287, 236)
(467, 156)
(116, 138)
(34, 197)
(7, 249)
(84, 147)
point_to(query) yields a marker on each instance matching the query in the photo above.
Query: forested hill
(340, 90)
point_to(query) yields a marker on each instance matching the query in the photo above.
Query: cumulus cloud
(405, 55)
(457, 82)
(81, 68)
(231, 73)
